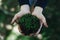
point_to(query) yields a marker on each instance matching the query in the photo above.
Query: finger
(39, 28)
(13, 20)
(45, 24)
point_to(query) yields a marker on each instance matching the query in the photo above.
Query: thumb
(13, 20)
(45, 24)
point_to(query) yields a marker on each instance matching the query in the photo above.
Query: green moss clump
(29, 24)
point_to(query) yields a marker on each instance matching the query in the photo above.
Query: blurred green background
(8, 8)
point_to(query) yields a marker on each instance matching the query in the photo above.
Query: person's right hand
(24, 10)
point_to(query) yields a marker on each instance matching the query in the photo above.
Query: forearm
(25, 8)
(39, 7)
(41, 3)
(23, 2)
(38, 11)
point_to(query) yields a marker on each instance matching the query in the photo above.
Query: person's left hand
(38, 13)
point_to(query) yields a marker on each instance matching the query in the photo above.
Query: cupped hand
(18, 15)
(25, 9)
(38, 13)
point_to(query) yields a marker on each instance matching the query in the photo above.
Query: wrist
(38, 9)
(25, 8)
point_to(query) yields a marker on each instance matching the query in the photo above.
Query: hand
(38, 13)
(24, 10)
